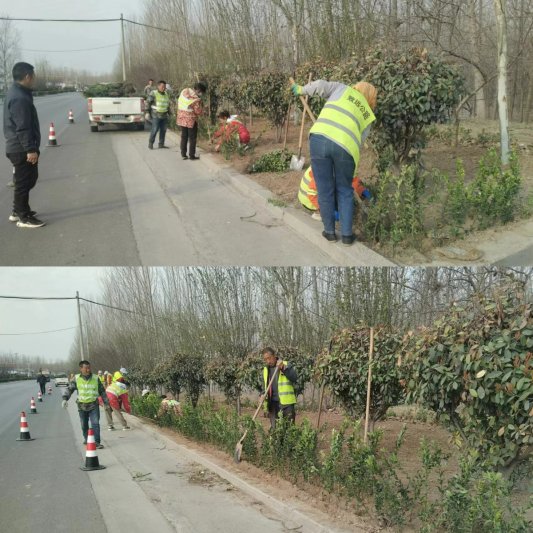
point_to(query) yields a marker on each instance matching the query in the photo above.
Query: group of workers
(189, 110)
(111, 392)
(335, 143)
(95, 390)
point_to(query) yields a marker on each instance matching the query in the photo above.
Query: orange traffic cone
(24, 429)
(91, 459)
(52, 141)
(71, 117)
(33, 409)
(39, 396)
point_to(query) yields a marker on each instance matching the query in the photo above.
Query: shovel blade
(297, 163)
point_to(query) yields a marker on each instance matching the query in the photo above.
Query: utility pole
(82, 348)
(123, 48)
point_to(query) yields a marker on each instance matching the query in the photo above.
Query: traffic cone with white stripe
(52, 141)
(91, 458)
(71, 117)
(33, 408)
(24, 429)
(49, 389)
(39, 396)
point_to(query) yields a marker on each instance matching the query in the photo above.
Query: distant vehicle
(61, 380)
(120, 110)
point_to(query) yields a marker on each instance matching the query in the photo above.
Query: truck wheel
(94, 128)
(140, 127)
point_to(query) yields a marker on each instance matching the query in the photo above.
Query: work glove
(296, 89)
(64, 404)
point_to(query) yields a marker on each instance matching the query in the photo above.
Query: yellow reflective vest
(117, 389)
(87, 388)
(286, 393)
(161, 102)
(307, 189)
(184, 103)
(344, 120)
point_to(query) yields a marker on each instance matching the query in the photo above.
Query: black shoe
(184, 157)
(84, 442)
(163, 147)
(348, 241)
(194, 157)
(13, 217)
(331, 237)
(150, 147)
(30, 222)
(99, 446)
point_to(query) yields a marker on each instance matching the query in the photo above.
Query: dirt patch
(438, 155)
(206, 478)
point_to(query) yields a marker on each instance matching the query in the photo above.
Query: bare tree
(9, 50)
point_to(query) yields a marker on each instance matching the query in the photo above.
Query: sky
(37, 316)
(70, 36)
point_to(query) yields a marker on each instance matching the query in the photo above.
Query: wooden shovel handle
(304, 103)
(265, 393)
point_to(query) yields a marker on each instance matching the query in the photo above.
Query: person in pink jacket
(117, 394)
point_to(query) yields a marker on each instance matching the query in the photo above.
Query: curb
(357, 255)
(292, 514)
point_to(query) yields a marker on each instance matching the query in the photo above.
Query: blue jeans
(334, 169)
(158, 125)
(94, 416)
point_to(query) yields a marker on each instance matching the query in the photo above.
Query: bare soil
(438, 155)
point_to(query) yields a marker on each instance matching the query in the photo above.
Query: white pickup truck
(129, 110)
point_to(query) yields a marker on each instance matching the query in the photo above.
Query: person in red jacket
(230, 125)
(117, 394)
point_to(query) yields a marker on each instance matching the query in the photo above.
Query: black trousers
(188, 135)
(287, 411)
(26, 176)
(43, 387)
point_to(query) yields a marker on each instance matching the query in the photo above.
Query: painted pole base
(87, 468)
(24, 440)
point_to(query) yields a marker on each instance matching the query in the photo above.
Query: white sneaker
(110, 428)
(316, 216)
(127, 428)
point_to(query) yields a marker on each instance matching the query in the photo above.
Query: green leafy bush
(109, 90)
(275, 161)
(474, 368)
(344, 369)
(396, 214)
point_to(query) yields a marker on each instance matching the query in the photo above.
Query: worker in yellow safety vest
(308, 195)
(189, 111)
(281, 397)
(335, 143)
(89, 388)
(159, 104)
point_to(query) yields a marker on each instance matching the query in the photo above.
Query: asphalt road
(41, 486)
(108, 200)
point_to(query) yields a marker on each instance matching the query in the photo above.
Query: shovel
(297, 163)
(238, 448)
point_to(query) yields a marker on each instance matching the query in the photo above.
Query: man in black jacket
(23, 139)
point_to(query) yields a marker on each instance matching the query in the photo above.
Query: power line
(89, 21)
(78, 50)
(38, 332)
(58, 20)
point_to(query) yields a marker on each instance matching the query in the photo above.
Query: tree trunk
(500, 8)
